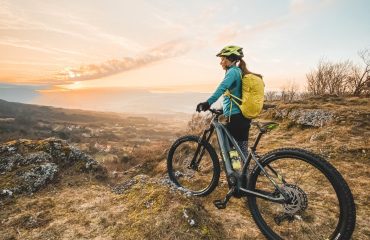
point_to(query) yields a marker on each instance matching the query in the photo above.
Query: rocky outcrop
(305, 117)
(28, 165)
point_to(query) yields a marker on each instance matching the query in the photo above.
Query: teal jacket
(233, 82)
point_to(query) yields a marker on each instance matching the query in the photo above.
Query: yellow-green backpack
(252, 99)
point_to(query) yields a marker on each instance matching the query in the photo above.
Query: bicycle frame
(236, 181)
(194, 165)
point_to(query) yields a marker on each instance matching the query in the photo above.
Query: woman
(237, 125)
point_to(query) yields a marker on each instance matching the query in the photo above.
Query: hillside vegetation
(133, 199)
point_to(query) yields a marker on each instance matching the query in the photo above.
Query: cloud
(98, 33)
(297, 6)
(231, 31)
(302, 6)
(32, 63)
(30, 45)
(228, 33)
(13, 18)
(95, 71)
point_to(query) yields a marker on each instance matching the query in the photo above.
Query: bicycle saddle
(265, 126)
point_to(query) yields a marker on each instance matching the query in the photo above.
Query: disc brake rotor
(298, 198)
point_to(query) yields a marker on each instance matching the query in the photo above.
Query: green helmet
(231, 51)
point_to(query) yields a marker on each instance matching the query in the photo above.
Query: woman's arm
(231, 76)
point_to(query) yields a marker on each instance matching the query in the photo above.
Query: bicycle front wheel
(321, 205)
(193, 165)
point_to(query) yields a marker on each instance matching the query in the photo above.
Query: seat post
(253, 148)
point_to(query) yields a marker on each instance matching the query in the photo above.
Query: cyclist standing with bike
(237, 125)
(292, 193)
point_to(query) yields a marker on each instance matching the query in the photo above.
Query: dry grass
(80, 207)
(87, 209)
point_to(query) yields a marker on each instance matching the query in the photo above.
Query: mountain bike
(291, 193)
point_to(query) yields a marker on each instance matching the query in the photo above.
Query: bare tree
(292, 91)
(359, 76)
(340, 78)
(312, 86)
(305, 95)
(271, 96)
(317, 79)
(283, 94)
(289, 92)
(329, 78)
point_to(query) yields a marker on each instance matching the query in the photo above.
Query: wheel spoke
(200, 179)
(314, 209)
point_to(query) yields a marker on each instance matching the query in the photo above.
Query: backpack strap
(233, 97)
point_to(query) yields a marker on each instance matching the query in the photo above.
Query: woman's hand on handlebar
(203, 106)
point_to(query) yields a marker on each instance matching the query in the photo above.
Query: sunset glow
(170, 46)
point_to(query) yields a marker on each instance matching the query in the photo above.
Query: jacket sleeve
(231, 76)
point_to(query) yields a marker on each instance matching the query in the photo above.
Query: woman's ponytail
(243, 66)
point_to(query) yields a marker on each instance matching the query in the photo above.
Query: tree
(340, 78)
(359, 76)
(289, 92)
(329, 78)
(271, 96)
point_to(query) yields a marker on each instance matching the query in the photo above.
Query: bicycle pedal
(219, 204)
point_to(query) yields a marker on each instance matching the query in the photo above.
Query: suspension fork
(206, 136)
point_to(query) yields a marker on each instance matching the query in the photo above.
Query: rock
(38, 177)
(28, 165)
(190, 221)
(121, 188)
(6, 192)
(37, 157)
(149, 204)
(7, 163)
(313, 117)
(12, 149)
(305, 117)
(173, 187)
(320, 136)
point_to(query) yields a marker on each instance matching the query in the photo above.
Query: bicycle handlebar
(216, 111)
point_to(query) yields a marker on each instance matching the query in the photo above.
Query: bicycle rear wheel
(322, 206)
(200, 179)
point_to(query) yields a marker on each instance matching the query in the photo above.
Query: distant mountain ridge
(32, 111)
(15, 109)
(128, 100)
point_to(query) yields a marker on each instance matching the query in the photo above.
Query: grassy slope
(81, 208)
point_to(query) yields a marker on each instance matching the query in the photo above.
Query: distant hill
(46, 113)
(19, 120)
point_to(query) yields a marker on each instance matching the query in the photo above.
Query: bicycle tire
(210, 156)
(347, 211)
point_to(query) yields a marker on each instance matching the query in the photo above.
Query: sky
(53, 51)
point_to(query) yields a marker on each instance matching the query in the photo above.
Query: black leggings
(239, 127)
